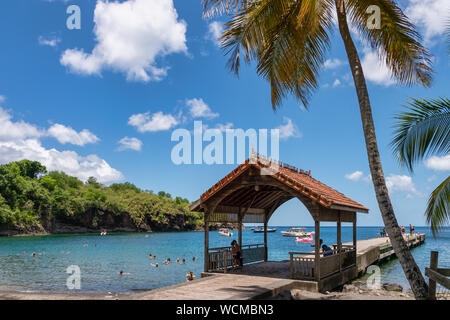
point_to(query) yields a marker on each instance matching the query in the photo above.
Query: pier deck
(265, 279)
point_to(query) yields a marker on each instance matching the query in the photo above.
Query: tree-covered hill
(33, 200)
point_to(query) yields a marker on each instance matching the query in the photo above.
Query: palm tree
(289, 40)
(423, 130)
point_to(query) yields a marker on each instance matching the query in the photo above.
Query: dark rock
(392, 287)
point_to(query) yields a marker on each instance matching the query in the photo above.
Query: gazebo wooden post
(240, 227)
(206, 258)
(317, 250)
(339, 240)
(265, 238)
(354, 231)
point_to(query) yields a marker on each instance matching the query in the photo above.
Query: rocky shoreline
(61, 228)
(357, 290)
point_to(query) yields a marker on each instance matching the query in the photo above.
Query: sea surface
(100, 258)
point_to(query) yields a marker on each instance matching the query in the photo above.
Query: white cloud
(215, 31)
(396, 182)
(127, 143)
(438, 163)
(20, 140)
(51, 42)
(333, 63)
(376, 70)
(2, 98)
(67, 135)
(199, 109)
(432, 16)
(336, 83)
(355, 176)
(224, 127)
(145, 122)
(10, 130)
(288, 130)
(130, 36)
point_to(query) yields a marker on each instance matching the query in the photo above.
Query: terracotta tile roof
(299, 180)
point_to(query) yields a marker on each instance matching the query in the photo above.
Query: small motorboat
(261, 230)
(309, 239)
(225, 233)
(296, 232)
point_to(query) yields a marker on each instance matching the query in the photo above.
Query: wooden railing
(436, 275)
(302, 264)
(220, 259)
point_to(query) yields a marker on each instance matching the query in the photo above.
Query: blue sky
(139, 69)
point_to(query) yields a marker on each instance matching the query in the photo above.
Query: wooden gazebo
(253, 191)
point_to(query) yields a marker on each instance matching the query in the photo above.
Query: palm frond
(287, 38)
(422, 130)
(437, 212)
(397, 42)
(219, 7)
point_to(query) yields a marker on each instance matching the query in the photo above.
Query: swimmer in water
(85, 245)
(122, 273)
(33, 254)
(184, 261)
(193, 258)
(178, 260)
(150, 256)
(154, 265)
(190, 276)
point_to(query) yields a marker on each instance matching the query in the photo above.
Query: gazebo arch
(253, 191)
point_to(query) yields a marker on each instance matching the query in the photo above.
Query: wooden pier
(266, 279)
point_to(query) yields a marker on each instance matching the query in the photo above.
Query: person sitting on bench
(326, 251)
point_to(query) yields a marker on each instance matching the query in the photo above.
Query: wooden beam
(231, 209)
(345, 208)
(339, 243)
(240, 229)
(317, 251)
(265, 237)
(432, 282)
(206, 258)
(437, 277)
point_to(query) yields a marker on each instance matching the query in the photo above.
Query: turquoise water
(104, 256)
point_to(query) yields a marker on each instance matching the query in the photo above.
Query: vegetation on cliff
(32, 198)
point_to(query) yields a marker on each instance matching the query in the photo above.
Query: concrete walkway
(255, 281)
(221, 287)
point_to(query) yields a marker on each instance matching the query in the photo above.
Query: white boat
(296, 232)
(225, 233)
(103, 233)
(261, 230)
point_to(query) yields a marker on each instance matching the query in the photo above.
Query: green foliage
(164, 194)
(423, 130)
(28, 197)
(289, 41)
(438, 207)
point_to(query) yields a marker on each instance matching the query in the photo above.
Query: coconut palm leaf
(397, 42)
(289, 40)
(423, 129)
(437, 212)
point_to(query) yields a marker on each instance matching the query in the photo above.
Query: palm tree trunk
(410, 268)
